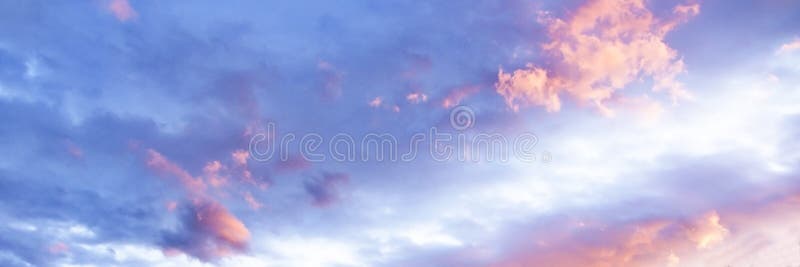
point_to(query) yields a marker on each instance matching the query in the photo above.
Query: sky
(307, 133)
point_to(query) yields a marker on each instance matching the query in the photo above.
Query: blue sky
(666, 133)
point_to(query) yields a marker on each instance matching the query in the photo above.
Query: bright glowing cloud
(603, 47)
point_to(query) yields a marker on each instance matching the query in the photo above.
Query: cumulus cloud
(604, 46)
(529, 87)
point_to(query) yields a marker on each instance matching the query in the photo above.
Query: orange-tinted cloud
(161, 164)
(656, 242)
(603, 47)
(209, 231)
(707, 231)
(122, 10)
(789, 47)
(750, 230)
(456, 96)
(216, 220)
(528, 87)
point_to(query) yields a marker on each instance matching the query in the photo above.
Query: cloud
(122, 10)
(255, 204)
(376, 102)
(331, 80)
(648, 242)
(240, 157)
(212, 174)
(292, 163)
(708, 231)
(209, 231)
(790, 47)
(325, 190)
(455, 97)
(416, 98)
(603, 47)
(159, 163)
(528, 87)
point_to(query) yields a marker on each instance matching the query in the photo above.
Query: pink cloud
(376, 102)
(293, 163)
(604, 46)
(789, 47)
(754, 223)
(122, 10)
(416, 98)
(161, 164)
(656, 242)
(212, 174)
(220, 223)
(528, 87)
(240, 157)
(456, 96)
(210, 231)
(254, 204)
